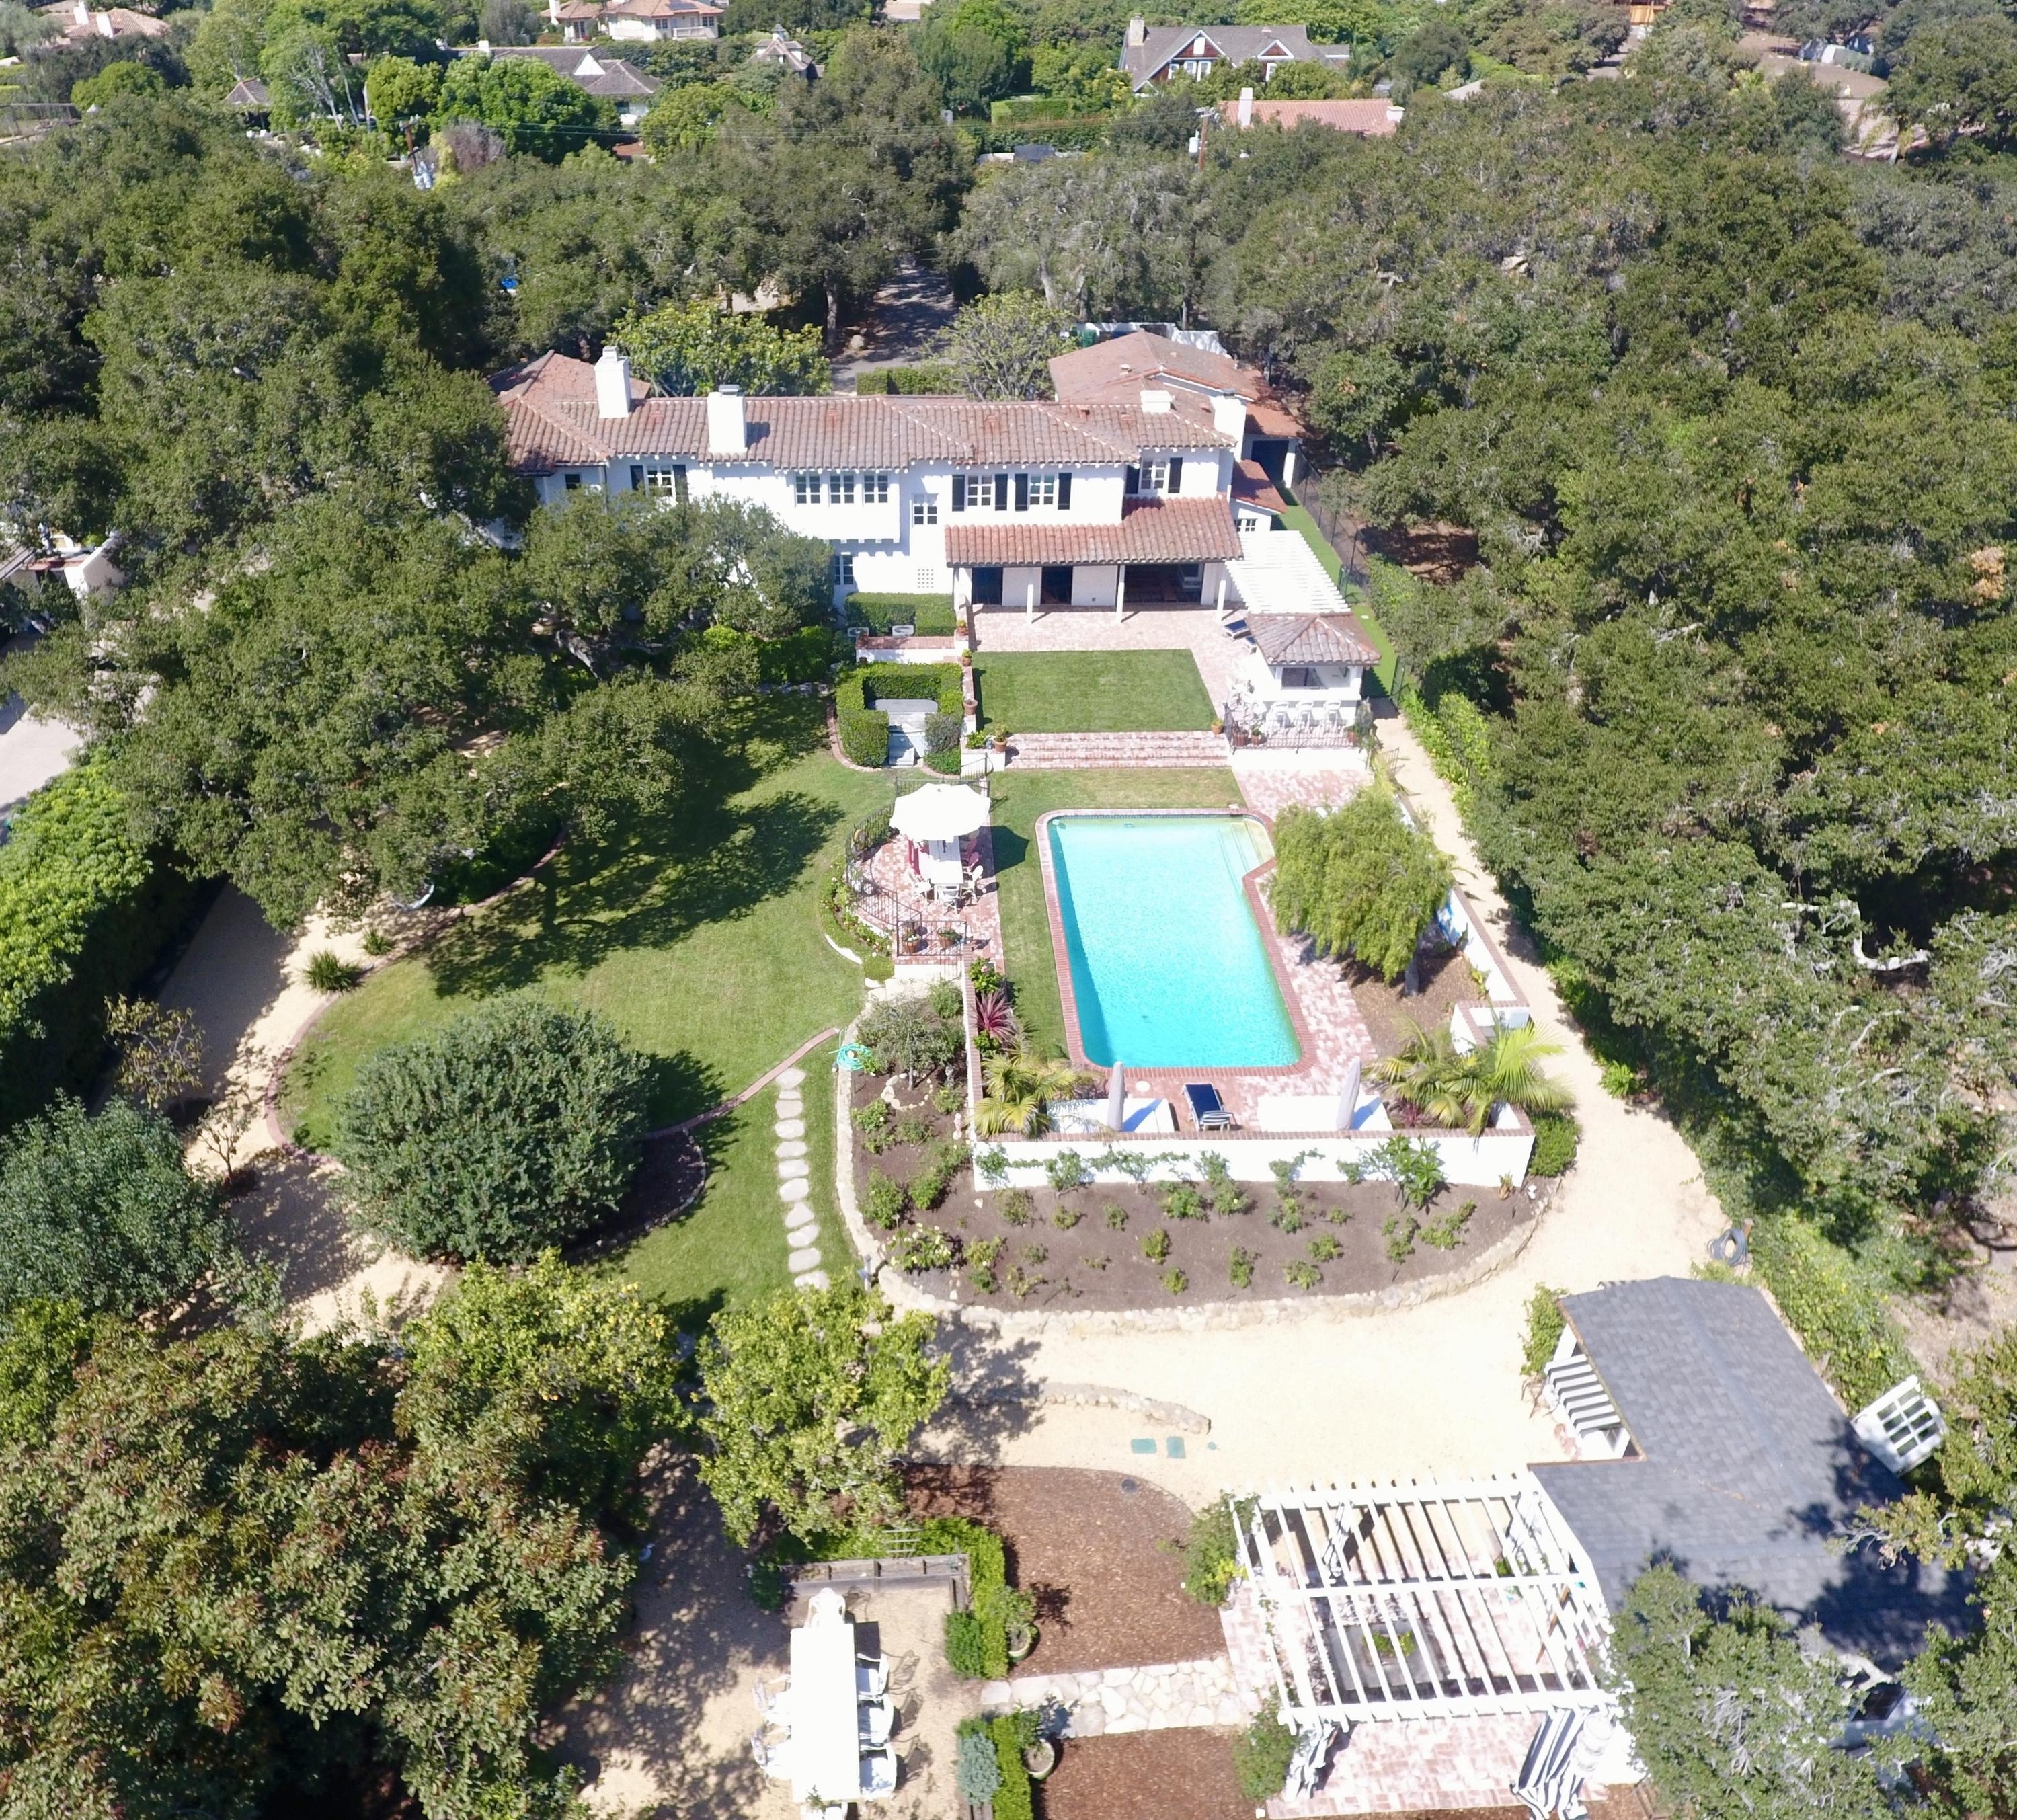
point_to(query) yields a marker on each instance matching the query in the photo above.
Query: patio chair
(871, 1676)
(769, 1699)
(879, 1773)
(1207, 1110)
(876, 1719)
(1335, 719)
(1309, 720)
(769, 1759)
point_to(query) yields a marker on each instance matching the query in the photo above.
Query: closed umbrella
(1348, 1098)
(1116, 1099)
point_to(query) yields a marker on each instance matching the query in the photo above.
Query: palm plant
(1462, 1088)
(1020, 1087)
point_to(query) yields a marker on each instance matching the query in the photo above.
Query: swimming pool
(1167, 966)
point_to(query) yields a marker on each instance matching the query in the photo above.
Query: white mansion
(1137, 492)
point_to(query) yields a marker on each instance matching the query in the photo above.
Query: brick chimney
(612, 384)
(727, 420)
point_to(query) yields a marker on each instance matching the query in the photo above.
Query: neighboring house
(779, 48)
(1372, 119)
(77, 20)
(249, 99)
(1196, 378)
(1719, 1449)
(634, 20)
(1096, 505)
(607, 76)
(1160, 54)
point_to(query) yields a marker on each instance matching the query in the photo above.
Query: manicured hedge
(802, 656)
(864, 735)
(862, 686)
(932, 380)
(85, 910)
(932, 614)
(1014, 1799)
(1079, 135)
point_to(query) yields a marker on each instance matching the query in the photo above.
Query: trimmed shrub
(861, 687)
(99, 1213)
(1260, 1756)
(966, 1645)
(514, 1129)
(1555, 1136)
(943, 733)
(1013, 1801)
(975, 1770)
(945, 763)
(932, 614)
(864, 736)
(928, 381)
(84, 910)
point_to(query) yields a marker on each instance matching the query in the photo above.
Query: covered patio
(930, 886)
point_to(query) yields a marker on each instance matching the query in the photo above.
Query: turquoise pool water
(1167, 963)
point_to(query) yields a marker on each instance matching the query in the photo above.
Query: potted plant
(1019, 1619)
(1038, 1750)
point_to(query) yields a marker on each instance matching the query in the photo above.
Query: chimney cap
(728, 391)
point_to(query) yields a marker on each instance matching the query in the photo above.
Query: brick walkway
(1271, 781)
(1114, 751)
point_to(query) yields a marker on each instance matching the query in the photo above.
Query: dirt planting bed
(1101, 1552)
(1125, 1247)
(1446, 981)
(1182, 1775)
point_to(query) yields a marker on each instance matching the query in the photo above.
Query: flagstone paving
(1153, 1697)
(794, 1188)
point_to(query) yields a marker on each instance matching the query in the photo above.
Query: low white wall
(947, 652)
(1468, 1162)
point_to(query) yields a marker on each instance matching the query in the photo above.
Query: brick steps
(1103, 751)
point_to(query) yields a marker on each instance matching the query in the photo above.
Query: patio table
(826, 1747)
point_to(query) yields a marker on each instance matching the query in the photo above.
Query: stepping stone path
(1150, 1698)
(794, 1188)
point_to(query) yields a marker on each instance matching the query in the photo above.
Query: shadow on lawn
(698, 866)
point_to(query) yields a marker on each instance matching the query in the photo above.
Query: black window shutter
(679, 485)
(1133, 480)
(959, 493)
(1001, 493)
(636, 480)
(1064, 492)
(1176, 474)
(1022, 492)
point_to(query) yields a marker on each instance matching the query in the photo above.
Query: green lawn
(1298, 519)
(731, 1248)
(1019, 798)
(1092, 692)
(697, 936)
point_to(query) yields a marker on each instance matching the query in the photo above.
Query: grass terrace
(1092, 692)
(1019, 798)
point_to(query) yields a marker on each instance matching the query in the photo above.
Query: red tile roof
(1373, 119)
(1167, 530)
(1116, 371)
(1251, 483)
(552, 422)
(1310, 638)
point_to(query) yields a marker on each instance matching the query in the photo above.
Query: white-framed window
(806, 490)
(666, 482)
(843, 569)
(925, 509)
(1155, 474)
(1043, 489)
(874, 488)
(840, 489)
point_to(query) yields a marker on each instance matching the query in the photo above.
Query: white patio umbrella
(938, 812)
(1116, 1099)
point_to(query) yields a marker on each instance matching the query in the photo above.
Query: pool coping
(1256, 907)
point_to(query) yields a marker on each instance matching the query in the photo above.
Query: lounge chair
(1207, 1110)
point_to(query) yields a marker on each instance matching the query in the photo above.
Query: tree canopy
(1358, 881)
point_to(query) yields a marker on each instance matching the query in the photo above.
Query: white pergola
(1415, 1602)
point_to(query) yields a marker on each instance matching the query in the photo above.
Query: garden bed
(1101, 1552)
(1117, 1246)
(1391, 1017)
(1185, 1774)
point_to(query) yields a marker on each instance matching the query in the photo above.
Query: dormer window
(1162, 474)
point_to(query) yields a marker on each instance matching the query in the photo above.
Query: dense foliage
(1732, 1720)
(514, 1127)
(99, 1212)
(1358, 881)
(238, 1570)
(808, 1409)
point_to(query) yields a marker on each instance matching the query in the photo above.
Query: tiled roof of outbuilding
(1151, 530)
(549, 404)
(1310, 638)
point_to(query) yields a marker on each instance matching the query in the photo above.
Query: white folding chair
(767, 1698)
(879, 1773)
(768, 1758)
(871, 1676)
(876, 1719)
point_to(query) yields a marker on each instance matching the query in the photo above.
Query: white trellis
(1435, 1600)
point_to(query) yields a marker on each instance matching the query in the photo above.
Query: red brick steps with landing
(1103, 751)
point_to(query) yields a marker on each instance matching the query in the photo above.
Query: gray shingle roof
(1749, 1467)
(1237, 44)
